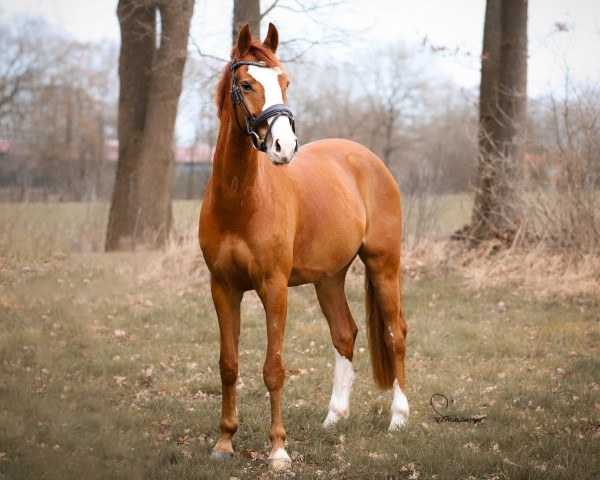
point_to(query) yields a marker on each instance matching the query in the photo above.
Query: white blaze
(281, 131)
(343, 376)
(268, 78)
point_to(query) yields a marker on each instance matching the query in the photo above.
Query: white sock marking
(399, 409)
(279, 460)
(280, 454)
(339, 406)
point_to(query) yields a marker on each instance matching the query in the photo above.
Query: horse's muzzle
(284, 144)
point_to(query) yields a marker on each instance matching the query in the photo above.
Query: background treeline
(57, 111)
(58, 114)
(58, 102)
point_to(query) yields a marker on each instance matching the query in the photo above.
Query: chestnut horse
(268, 223)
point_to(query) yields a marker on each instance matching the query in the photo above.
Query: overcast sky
(456, 25)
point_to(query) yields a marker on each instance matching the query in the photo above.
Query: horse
(274, 216)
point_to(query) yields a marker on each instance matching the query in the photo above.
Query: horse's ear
(272, 39)
(244, 40)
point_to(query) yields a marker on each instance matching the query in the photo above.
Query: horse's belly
(325, 253)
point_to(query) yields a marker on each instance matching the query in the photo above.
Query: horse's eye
(246, 86)
(288, 84)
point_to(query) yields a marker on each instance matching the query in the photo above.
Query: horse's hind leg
(386, 323)
(332, 299)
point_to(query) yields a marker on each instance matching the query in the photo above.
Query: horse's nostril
(296, 147)
(277, 146)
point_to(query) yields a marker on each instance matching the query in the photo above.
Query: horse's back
(349, 161)
(350, 168)
(340, 151)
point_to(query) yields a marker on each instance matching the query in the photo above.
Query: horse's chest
(233, 262)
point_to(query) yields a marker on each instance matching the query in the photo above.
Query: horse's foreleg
(274, 299)
(227, 305)
(332, 299)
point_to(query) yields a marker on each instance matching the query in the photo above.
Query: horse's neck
(235, 164)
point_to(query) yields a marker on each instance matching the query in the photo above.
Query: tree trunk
(488, 102)
(502, 118)
(245, 12)
(150, 85)
(513, 81)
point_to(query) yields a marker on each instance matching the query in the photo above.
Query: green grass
(34, 229)
(109, 369)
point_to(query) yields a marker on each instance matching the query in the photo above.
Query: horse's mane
(260, 52)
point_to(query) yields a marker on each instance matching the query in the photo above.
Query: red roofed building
(183, 155)
(5, 147)
(21, 178)
(197, 154)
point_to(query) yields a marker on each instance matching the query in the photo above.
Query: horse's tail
(381, 360)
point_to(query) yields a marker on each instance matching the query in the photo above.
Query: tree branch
(269, 9)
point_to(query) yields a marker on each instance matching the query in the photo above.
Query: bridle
(252, 122)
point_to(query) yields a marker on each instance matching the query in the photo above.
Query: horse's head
(258, 96)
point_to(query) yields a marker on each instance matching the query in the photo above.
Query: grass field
(109, 369)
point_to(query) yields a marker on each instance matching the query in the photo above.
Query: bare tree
(395, 88)
(314, 11)
(27, 52)
(325, 98)
(245, 12)
(56, 109)
(150, 82)
(562, 210)
(502, 120)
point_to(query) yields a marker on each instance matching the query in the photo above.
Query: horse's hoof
(331, 420)
(279, 465)
(218, 455)
(398, 422)
(279, 460)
